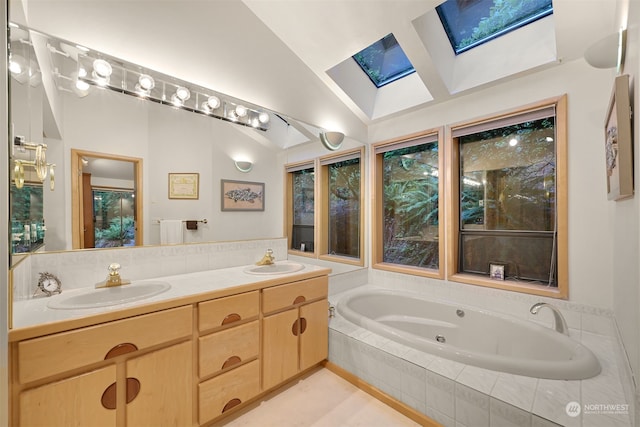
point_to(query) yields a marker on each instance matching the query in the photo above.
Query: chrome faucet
(560, 324)
(268, 258)
(113, 279)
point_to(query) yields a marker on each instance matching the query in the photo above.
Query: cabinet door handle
(108, 399)
(231, 404)
(120, 349)
(303, 325)
(233, 360)
(295, 327)
(299, 299)
(133, 388)
(233, 317)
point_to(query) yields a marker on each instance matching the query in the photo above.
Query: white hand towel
(170, 231)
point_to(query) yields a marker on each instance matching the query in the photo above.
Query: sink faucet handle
(114, 267)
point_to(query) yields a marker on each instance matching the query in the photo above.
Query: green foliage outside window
(410, 186)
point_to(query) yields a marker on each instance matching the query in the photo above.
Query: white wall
(623, 219)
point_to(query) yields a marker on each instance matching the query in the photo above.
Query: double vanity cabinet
(182, 362)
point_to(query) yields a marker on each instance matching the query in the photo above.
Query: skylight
(469, 23)
(384, 61)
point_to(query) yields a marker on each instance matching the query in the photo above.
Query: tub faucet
(113, 279)
(268, 258)
(560, 324)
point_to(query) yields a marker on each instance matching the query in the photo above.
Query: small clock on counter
(49, 284)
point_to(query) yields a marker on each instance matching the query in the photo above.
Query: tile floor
(320, 399)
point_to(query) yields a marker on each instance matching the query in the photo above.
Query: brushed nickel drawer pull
(233, 360)
(233, 317)
(120, 349)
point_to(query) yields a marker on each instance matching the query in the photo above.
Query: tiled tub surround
(85, 268)
(460, 395)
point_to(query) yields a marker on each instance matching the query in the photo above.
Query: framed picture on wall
(618, 142)
(183, 185)
(242, 195)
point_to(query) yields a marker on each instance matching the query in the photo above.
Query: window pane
(302, 236)
(384, 61)
(410, 197)
(469, 23)
(525, 257)
(507, 178)
(344, 208)
(508, 201)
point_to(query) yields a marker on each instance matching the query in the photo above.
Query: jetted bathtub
(470, 336)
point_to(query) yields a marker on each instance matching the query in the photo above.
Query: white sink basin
(110, 296)
(282, 267)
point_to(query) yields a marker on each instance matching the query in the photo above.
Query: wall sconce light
(608, 52)
(243, 165)
(331, 140)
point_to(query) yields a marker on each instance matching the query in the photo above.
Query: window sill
(414, 271)
(342, 259)
(509, 285)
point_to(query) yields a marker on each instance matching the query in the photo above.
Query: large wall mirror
(110, 155)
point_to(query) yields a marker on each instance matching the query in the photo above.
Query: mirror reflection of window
(114, 220)
(303, 209)
(27, 218)
(344, 208)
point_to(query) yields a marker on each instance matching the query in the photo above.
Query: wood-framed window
(341, 236)
(300, 199)
(507, 200)
(408, 231)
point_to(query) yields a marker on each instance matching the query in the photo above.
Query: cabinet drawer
(53, 354)
(226, 311)
(228, 390)
(227, 348)
(281, 297)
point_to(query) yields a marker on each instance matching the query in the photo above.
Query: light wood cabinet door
(165, 395)
(314, 335)
(279, 348)
(71, 402)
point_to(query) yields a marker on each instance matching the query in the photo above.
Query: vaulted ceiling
(280, 53)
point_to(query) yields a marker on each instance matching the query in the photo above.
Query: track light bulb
(241, 110)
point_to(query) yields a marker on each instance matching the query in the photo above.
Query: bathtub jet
(477, 338)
